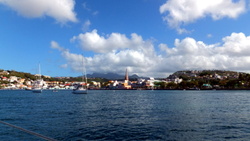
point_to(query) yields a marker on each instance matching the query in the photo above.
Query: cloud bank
(92, 41)
(117, 52)
(180, 12)
(61, 10)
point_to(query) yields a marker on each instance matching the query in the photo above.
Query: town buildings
(189, 79)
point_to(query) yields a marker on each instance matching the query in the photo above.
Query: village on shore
(180, 80)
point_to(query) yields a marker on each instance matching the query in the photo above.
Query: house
(13, 78)
(4, 73)
(21, 81)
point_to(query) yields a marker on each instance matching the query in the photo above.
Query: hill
(111, 76)
(187, 74)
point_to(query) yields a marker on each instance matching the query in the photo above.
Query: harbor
(126, 115)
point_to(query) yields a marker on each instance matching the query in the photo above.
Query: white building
(178, 80)
(13, 78)
(140, 81)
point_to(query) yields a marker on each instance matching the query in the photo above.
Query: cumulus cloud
(92, 41)
(180, 12)
(236, 45)
(61, 10)
(136, 60)
(142, 58)
(74, 61)
(232, 54)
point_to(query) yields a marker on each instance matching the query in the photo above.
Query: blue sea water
(126, 115)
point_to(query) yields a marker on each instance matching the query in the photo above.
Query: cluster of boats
(79, 89)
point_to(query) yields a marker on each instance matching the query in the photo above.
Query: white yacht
(38, 84)
(82, 88)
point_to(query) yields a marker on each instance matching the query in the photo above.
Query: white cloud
(74, 61)
(85, 26)
(115, 52)
(180, 12)
(110, 62)
(209, 35)
(87, 8)
(64, 66)
(233, 53)
(95, 13)
(55, 45)
(236, 45)
(92, 41)
(61, 10)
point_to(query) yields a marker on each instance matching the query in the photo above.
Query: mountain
(112, 76)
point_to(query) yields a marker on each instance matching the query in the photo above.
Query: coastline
(226, 89)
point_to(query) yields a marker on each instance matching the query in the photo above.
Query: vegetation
(206, 79)
(29, 76)
(217, 79)
(19, 74)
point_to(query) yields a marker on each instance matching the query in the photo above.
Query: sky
(151, 38)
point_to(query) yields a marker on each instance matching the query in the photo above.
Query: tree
(183, 85)
(184, 77)
(214, 82)
(162, 85)
(231, 84)
(171, 85)
(4, 82)
(205, 73)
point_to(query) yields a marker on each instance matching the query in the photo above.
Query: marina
(126, 115)
(119, 70)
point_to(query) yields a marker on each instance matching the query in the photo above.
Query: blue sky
(149, 37)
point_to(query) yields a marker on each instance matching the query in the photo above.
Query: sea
(126, 115)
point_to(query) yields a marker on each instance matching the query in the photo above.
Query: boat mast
(39, 71)
(85, 76)
(84, 72)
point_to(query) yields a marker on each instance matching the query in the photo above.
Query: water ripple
(127, 115)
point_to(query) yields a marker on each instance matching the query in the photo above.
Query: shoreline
(140, 89)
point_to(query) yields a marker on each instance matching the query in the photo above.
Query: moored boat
(82, 89)
(37, 90)
(37, 86)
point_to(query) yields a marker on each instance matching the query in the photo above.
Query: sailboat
(82, 88)
(37, 86)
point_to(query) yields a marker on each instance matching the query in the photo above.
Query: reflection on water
(127, 115)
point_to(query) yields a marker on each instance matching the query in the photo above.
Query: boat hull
(80, 92)
(37, 91)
